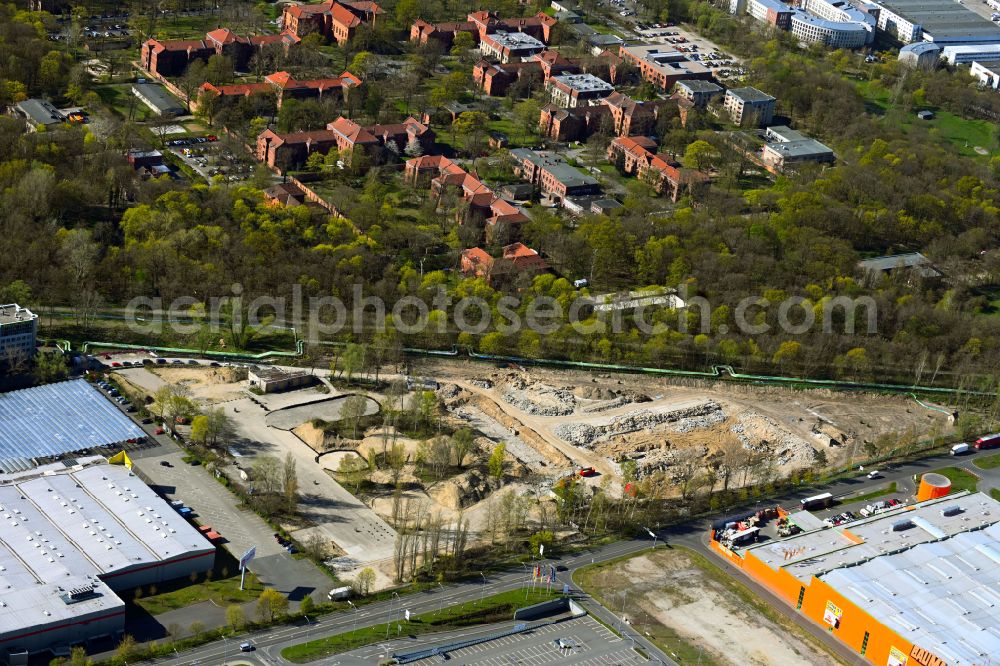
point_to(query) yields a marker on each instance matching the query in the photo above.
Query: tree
(235, 617)
(470, 125)
(353, 359)
(528, 114)
(462, 44)
(497, 460)
(267, 482)
(539, 539)
(462, 442)
(199, 429)
(364, 64)
(364, 581)
(78, 657)
(126, 647)
(290, 484)
(353, 409)
(219, 70)
(700, 155)
(307, 605)
(271, 604)
(50, 367)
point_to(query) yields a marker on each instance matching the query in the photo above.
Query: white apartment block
(18, 332)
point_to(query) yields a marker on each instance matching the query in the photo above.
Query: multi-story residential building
(572, 90)
(286, 151)
(18, 332)
(749, 107)
(516, 259)
(496, 78)
(283, 86)
(335, 19)
(785, 146)
(479, 24)
(553, 176)
(699, 93)
(637, 156)
(662, 68)
(508, 46)
(500, 218)
(616, 114)
(171, 57)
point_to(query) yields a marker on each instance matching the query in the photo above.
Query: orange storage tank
(933, 486)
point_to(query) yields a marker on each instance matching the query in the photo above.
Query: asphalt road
(692, 534)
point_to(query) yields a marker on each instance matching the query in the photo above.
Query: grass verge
(989, 462)
(495, 608)
(875, 494)
(222, 588)
(995, 493)
(960, 479)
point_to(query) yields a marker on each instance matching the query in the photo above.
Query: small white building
(987, 71)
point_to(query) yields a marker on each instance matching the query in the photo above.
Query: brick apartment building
(496, 78)
(285, 151)
(662, 68)
(516, 259)
(499, 217)
(283, 86)
(171, 57)
(616, 114)
(637, 156)
(552, 174)
(572, 90)
(479, 24)
(335, 19)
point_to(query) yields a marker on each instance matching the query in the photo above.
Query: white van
(874, 474)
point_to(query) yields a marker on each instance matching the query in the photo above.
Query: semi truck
(987, 442)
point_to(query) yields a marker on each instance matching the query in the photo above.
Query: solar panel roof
(53, 420)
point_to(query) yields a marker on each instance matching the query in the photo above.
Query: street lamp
(441, 605)
(482, 596)
(388, 620)
(652, 534)
(355, 614)
(621, 619)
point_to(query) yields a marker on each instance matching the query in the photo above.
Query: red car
(116, 364)
(588, 471)
(159, 431)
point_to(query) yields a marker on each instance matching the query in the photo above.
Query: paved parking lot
(592, 644)
(241, 528)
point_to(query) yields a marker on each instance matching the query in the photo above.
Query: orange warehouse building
(915, 586)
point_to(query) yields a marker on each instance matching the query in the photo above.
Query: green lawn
(119, 98)
(989, 462)
(995, 493)
(223, 589)
(960, 479)
(963, 133)
(496, 608)
(875, 494)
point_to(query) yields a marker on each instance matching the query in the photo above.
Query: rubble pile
(697, 416)
(539, 399)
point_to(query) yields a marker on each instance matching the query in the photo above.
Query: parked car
(159, 431)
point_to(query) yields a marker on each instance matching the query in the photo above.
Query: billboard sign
(247, 557)
(832, 614)
(896, 657)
